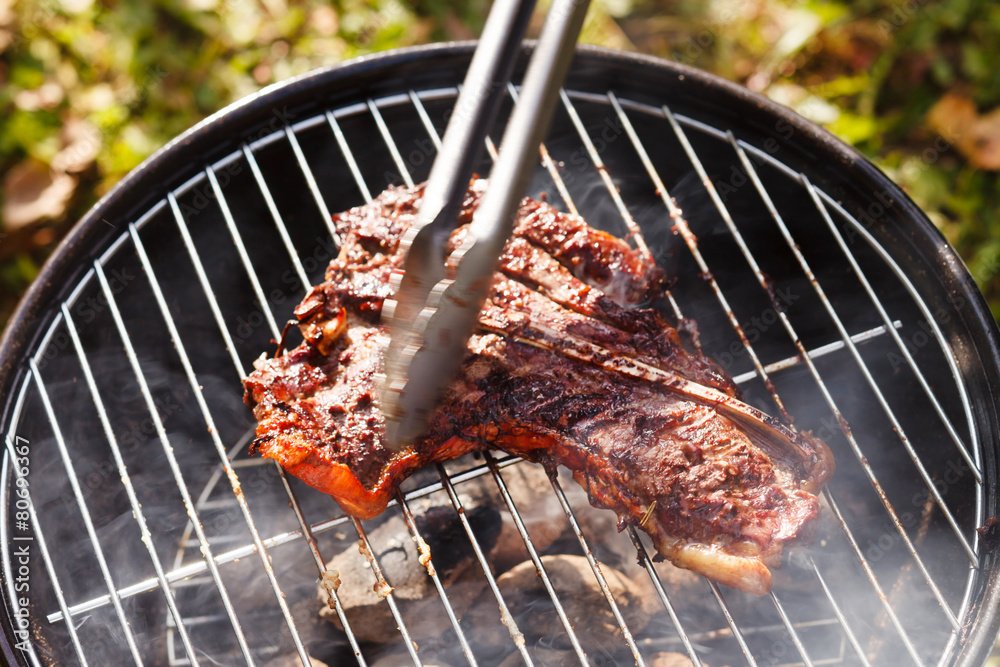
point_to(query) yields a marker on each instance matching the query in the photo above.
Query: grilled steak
(567, 369)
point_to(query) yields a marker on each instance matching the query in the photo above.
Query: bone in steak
(566, 369)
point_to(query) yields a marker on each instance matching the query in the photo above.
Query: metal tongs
(433, 314)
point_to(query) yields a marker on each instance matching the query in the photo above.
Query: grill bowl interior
(192, 233)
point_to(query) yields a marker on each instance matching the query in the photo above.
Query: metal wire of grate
(943, 584)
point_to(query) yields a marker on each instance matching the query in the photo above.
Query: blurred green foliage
(90, 89)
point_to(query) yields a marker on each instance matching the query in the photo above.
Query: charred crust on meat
(721, 488)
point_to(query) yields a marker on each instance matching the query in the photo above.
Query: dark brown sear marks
(715, 498)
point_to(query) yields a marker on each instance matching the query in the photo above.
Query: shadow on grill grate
(138, 434)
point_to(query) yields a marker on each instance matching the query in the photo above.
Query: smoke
(831, 558)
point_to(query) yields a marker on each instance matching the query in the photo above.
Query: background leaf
(139, 73)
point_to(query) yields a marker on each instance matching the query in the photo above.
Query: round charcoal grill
(152, 537)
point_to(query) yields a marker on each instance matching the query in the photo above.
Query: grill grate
(947, 581)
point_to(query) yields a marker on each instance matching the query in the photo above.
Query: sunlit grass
(132, 75)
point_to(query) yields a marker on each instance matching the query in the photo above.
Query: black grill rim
(920, 245)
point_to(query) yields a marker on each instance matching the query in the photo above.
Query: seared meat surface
(568, 369)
